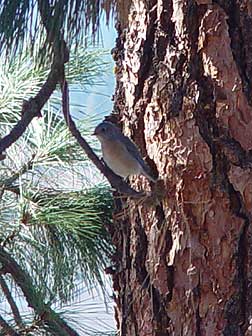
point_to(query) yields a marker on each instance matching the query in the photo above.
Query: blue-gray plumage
(120, 153)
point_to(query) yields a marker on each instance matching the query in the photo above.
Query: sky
(98, 98)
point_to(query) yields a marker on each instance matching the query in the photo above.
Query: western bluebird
(120, 153)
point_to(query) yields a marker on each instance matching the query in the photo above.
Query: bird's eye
(103, 129)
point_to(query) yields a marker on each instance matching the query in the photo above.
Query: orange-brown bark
(184, 96)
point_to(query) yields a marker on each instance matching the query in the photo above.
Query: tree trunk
(184, 76)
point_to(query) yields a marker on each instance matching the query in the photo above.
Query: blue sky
(98, 98)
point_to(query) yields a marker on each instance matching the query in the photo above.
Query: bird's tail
(148, 173)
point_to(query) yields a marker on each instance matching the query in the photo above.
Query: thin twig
(9, 239)
(6, 329)
(12, 303)
(8, 183)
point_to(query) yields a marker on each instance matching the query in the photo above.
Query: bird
(120, 153)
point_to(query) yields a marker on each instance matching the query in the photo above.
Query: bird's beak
(94, 133)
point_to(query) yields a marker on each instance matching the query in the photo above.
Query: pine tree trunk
(184, 76)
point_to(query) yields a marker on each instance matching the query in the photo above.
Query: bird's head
(106, 131)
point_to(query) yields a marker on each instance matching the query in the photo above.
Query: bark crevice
(240, 32)
(147, 54)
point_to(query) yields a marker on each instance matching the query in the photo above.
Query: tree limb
(32, 107)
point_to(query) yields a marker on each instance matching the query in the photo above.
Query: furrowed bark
(184, 95)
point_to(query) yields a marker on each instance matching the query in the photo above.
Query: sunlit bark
(184, 71)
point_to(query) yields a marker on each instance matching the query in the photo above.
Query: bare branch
(12, 303)
(115, 181)
(6, 329)
(61, 49)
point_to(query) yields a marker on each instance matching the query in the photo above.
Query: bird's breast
(119, 159)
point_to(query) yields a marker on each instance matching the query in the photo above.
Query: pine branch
(32, 107)
(53, 24)
(54, 322)
(8, 183)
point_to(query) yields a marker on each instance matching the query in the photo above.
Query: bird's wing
(134, 151)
